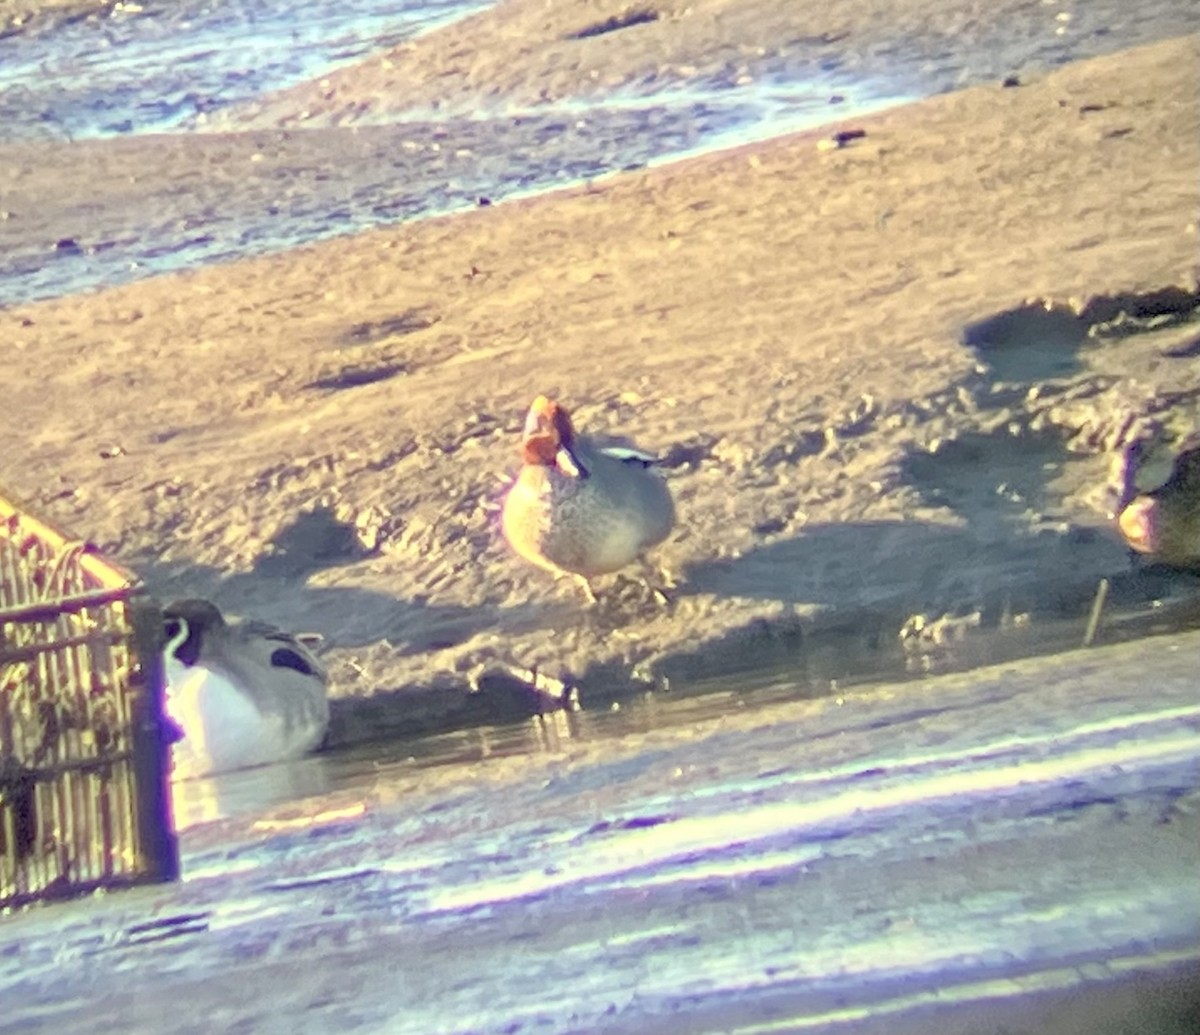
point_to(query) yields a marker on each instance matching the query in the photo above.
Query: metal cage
(84, 763)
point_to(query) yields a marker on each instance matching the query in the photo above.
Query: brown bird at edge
(580, 509)
(1163, 524)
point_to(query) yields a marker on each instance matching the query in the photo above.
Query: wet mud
(877, 446)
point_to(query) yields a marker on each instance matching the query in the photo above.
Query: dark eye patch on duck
(563, 427)
(285, 657)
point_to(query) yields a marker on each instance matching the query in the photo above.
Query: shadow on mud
(1041, 340)
(860, 602)
(1009, 579)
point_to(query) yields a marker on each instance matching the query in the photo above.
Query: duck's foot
(588, 592)
(582, 582)
(631, 597)
(659, 583)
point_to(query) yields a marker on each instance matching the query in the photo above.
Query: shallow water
(157, 67)
(710, 878)
(150, 68)
(834, 663)
(392, 174)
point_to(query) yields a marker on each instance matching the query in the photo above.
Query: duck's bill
(1137, 525)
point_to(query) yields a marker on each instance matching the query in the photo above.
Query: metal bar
(10, 654)
(49, 610)
(108, 574)
(80, 643)
(151, 757)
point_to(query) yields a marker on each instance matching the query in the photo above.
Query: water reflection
(248, 790)
(825, 666)
(954, 842)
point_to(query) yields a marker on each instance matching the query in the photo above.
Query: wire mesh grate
(84, 802)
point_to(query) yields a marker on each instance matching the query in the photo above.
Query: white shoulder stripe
(628, 455)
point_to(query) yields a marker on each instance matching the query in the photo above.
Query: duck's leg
(588, 592)
(658, 581)
(581, 581)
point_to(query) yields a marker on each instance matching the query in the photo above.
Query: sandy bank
(524, 53)
(315, 437)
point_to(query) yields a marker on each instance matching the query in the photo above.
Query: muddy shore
(521, 54)
(888, 381)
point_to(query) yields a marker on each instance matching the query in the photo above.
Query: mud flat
(888, 379)
(524, 54)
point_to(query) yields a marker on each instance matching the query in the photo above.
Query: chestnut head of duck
(549, 439)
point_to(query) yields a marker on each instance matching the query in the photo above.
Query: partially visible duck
(577, 508)
(1163, 522)
(243, 693)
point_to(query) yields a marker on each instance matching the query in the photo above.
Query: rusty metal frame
(84, 763)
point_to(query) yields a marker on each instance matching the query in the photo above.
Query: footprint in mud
(913, 567)
(1142, 408)
(343, 616)
(372, 364)
(371, 332)
(321, 538)
(1002, 480)
(1075, 370)
(625, 20)
(358, 376)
